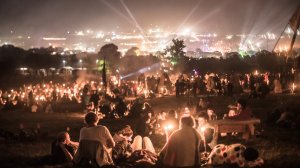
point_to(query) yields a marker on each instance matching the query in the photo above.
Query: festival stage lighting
(143, 70)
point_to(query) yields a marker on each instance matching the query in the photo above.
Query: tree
(176, 51)
(111, 54)
(11, 57)
(40, 58)
(133, 51)
(268, 61)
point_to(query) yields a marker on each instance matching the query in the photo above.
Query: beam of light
(188, 16)
(117, 11)
(203, 19)
(268, 14)
(134, 20)
(142, 70)
(276, 26)
(216, 10)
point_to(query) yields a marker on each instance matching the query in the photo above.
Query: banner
(295, 20)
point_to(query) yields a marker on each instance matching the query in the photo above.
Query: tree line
(12, 57)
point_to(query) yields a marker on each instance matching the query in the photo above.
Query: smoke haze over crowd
(48, 17)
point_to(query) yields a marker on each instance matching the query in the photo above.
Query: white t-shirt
(97, 133)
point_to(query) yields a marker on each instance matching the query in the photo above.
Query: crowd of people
(97, 147)
(189, 124)
(256, 84)
(46, 96)
(184, 147)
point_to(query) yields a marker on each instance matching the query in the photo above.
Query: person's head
(63, 137)
(127, 131)
(210, 111)
(187, 121)
(202, 102)
(241, 104)
(231, 113)
(250, 154)
(172, 114)
(162, 115)
(202, 119)
(91, 119)
(146, 106)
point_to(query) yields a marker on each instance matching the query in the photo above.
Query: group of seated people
(183, 148)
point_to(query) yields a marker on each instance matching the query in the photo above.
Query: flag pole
(104, 75)
(280, 37)
(292, 42)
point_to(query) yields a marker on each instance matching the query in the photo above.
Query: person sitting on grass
(140, 151)
(124, 134)
(206, 131)
(235, 154)
(95, 142)
(182, 147)
(242, 112)
(63, 149)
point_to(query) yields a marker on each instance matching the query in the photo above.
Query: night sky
(201, 16)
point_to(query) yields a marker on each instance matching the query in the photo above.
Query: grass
(279, 147)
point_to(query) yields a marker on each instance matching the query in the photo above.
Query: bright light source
(229, 37)
(202, 129)
(168, 127)
(185, 32)
(80, 33)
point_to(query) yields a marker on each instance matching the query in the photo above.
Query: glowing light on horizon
(185, 32)
(99, 35)
(80, 33)
(54, 38)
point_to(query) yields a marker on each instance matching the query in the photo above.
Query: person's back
(94, 139)
(121, 108)
(180, 149)
(96, 133)
(95, 98)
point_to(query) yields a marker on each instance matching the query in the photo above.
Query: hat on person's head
(250, 154)
(242, 102)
